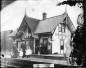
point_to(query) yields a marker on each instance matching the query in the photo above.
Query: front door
(36, 46)
(45, 46)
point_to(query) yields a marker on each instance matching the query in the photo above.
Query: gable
(70, 24)
(27, 23)
(30, 23)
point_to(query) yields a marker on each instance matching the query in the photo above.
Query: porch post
(51, 43)
(17, 44)
(34, 46)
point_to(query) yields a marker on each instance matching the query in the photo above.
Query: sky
(13, 14)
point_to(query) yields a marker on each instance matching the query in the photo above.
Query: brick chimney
(44, 16)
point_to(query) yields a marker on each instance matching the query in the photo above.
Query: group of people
(24, 52)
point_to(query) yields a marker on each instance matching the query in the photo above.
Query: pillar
(34, 46)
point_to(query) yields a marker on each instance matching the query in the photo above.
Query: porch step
(53, 57)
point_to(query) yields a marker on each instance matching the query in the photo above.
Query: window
(62, 44)
(61, 27)
(62, 47)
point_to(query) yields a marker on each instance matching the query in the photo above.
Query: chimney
(44, 15)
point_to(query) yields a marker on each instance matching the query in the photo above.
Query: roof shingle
(31, 22)
(48, 25)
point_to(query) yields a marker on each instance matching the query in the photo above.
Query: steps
(53, 57)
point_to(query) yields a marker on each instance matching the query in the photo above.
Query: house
(25, 33)
(48, 36)
(54, 34)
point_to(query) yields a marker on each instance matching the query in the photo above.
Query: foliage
(71, 2)
(79, 47)
(15, 52)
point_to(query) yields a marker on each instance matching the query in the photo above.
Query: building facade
(55, 34)
(25, 34)
(47, 36)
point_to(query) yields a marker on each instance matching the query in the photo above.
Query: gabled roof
(31, 22)
(70, 24)
(49, 24)
(27, 22)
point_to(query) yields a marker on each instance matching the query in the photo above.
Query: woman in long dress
(28, 52)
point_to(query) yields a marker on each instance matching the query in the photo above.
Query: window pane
(63, 30)
(62, 51)
(62, 48)
(62, 42)
(61, 45)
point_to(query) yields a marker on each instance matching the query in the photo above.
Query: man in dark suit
(23, 46)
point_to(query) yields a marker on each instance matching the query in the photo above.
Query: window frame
(61, 28)
(61, 45)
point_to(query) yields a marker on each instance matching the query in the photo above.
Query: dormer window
(61, 28)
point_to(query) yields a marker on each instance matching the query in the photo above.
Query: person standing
(23, 46)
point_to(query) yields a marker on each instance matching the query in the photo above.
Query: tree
(71, 2)
(79, 47)
(15, 52)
